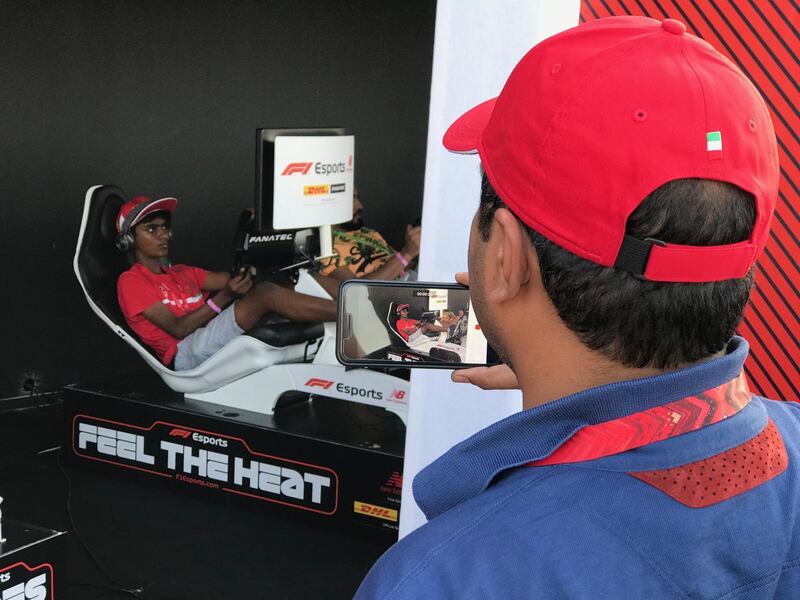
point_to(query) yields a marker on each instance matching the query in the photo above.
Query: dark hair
(647, 323)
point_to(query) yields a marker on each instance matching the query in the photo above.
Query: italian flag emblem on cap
(714, 141)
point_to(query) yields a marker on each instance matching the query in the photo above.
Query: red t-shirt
(406, 327)
(179, 287)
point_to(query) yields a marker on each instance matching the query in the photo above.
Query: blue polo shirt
(500, 529)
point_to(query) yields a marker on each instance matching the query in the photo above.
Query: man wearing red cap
(184, 313)
(630, 175)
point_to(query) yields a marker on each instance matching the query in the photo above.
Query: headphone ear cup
(124, 241)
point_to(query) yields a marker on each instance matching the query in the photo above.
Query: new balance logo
(300, 167)
(323, 383)
(395, 479)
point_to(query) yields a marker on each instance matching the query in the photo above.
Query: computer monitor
(304, 177)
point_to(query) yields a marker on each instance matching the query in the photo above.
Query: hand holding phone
(416, 324)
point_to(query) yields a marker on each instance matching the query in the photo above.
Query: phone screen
(413, 323)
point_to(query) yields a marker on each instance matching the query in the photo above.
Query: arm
(216, 281)
(392, 268)
(180, 327)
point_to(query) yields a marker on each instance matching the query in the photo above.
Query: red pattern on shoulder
(722, 476)
(652, 425)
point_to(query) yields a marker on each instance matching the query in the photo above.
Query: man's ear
(512, 255)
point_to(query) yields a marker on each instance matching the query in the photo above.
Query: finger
(462, 278)
(498, 377)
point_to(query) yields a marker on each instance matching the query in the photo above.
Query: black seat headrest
(99, 262)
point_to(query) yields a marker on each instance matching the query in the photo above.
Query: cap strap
(654, 260)
(634, 254)
(700, 264)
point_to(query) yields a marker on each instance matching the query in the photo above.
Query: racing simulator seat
(252, 371)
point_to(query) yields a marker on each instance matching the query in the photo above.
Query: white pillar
(477, 44)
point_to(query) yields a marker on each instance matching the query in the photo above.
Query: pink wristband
(402, 259)
(213, 306)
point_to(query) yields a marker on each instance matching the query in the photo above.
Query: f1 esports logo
(320, 168)
(298, 167)
(178, 432)
(206, 459)
(322, 383)
(21, 582)
(349, 390)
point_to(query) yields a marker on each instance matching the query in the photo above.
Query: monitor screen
(304, 177)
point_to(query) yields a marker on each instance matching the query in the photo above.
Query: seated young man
(185, 313)
(411, 329)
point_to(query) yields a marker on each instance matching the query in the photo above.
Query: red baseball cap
(138, 207)
(593, 119)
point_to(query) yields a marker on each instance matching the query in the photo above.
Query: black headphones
(124, 240)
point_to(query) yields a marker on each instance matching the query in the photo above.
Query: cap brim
(167, 204)
(465, 132)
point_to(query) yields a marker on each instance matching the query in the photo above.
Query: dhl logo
(315, 190)
(322, 383)
(182, 433)
(379, 512)
(299, 167)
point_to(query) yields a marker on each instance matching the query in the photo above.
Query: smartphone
(409, 323)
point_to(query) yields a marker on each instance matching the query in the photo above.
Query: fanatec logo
(298, 167)
(272, 237)
(322, 383)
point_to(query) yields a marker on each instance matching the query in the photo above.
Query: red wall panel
(762, 37)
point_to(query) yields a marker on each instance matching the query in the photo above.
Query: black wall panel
(163, 98)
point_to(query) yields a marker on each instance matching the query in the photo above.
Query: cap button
(673, 26)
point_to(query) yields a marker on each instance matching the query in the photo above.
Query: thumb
(498, 377)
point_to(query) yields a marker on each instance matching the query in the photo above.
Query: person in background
(363, 252)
